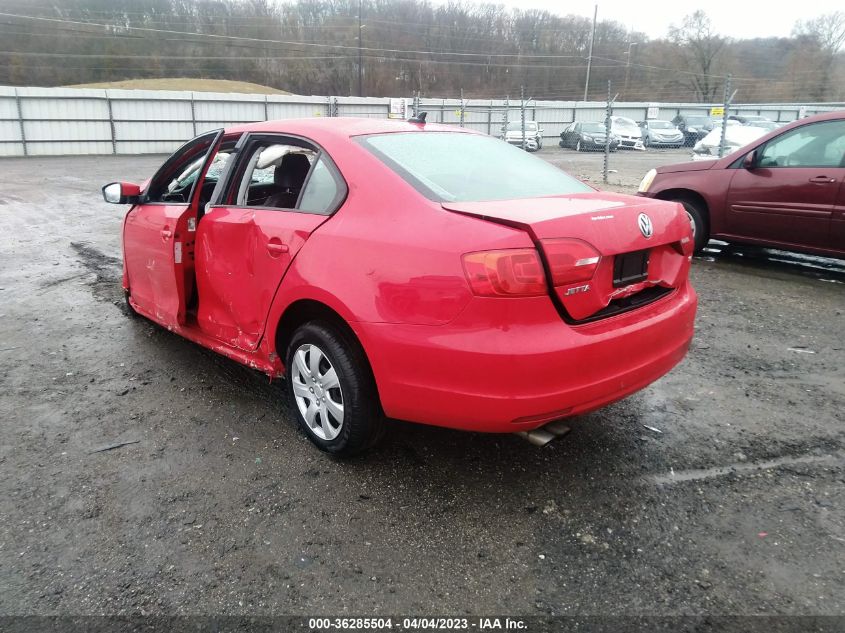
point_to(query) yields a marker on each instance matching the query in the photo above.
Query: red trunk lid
(615, 225)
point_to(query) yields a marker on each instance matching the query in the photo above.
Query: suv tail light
(513, 272)
(570, 261)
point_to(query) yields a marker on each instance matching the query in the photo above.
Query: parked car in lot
(627, 131)
(749, 119)
(657, 133)
(736, 136)
(409, 271)
(587, 136)
(783, 190)
(533, 135)
(694, 127)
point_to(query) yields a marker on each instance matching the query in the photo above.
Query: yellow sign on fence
(717, 111)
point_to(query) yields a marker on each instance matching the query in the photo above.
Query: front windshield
(697, 120)
(593, 127)
(660, 125)
(460, 167)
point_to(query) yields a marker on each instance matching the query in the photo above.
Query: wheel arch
(303, 311)
(687, 194)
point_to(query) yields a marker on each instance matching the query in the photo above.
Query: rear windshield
(459, 167)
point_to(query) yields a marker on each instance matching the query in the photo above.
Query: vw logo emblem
(646, 228)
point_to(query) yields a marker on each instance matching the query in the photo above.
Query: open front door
(158, 234)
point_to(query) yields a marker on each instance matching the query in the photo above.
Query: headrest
(292, 171)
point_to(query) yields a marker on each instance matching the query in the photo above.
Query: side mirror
(750, 160)
(122, 193)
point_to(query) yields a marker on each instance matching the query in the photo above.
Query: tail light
(513, 272)
(570, 261)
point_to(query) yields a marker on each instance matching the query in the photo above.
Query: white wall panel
(63, 109)
(67, 131)
(10, 130)
(146, 131)
(228, 111)
(68, 147)
(11, 149)
(133, 147)
(150, 110)
(76, 121)
(8, 108)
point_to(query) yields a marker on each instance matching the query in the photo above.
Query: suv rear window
(460, 167)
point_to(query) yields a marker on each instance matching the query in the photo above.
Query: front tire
(333, 390)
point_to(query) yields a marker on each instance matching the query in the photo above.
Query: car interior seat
(288, 177)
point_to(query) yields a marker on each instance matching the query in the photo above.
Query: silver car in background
(658, 133)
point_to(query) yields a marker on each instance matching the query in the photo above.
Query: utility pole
(590, 56)
(462, 107)
(628, 70)
(522, 114)
(360, 56)
(505, 116)
(727, 104)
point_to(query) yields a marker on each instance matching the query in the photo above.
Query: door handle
(166, 233)
(823, 179)
(276, 248)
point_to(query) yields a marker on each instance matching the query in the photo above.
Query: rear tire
(698, 220)
(333, 391)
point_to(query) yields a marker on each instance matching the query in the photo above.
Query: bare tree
(821, 39)
(700, 47)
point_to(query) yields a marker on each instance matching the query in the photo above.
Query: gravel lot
(718, 490)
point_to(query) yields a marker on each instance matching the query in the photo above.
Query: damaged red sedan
(408, 271)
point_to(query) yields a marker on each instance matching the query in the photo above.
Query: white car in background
(627, 131)
(736, 135)
(533, 135)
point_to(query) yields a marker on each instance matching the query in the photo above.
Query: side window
(274, 175)
(321, 192)
(174, 182)
(815, 145)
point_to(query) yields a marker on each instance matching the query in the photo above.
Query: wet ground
(717, 490)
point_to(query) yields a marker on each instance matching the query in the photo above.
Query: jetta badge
(646, 228)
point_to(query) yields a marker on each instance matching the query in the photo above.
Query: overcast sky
(739, 19)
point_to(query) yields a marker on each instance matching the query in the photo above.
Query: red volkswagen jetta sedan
(408, 271)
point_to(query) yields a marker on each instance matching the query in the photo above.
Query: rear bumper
(508, 365)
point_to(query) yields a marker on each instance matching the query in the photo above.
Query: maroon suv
(784, 190)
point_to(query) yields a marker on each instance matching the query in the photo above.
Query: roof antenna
(420, 118)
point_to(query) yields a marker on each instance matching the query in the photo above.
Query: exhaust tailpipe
(545, 434)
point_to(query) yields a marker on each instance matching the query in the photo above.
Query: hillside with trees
(484, 50)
